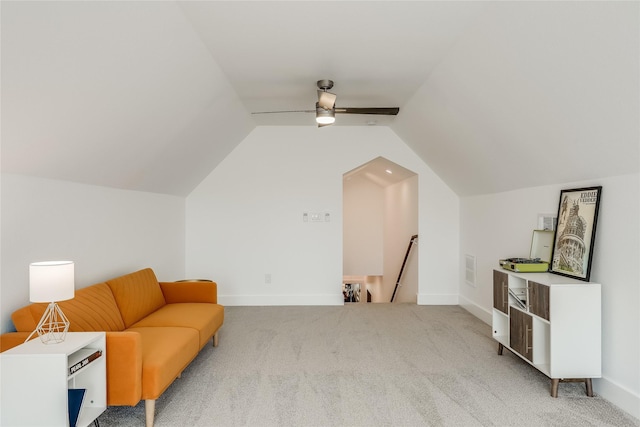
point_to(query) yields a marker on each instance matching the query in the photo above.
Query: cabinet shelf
(81, 359)
(88, 414)
(550, 322)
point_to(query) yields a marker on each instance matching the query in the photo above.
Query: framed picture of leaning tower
(576, 232)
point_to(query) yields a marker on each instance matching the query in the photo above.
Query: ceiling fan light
(325, 117)
(325, 120)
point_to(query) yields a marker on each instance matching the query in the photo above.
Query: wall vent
(470, 270)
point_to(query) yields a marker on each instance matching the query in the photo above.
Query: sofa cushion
(206, 318)
(92, 309)
(165, 354)
(26, 319)
(190, 291)
(137, 295)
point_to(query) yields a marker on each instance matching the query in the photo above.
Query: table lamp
(51, 281)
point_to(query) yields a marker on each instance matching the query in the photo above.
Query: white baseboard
(473, 308)
(437, 299)
(266, 300)
(620, 396)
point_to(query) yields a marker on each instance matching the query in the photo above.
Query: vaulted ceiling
(151, 96)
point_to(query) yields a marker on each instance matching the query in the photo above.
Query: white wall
(363, 208)
(500, 225)
(106, 232)
(401, 222)
(245, 219)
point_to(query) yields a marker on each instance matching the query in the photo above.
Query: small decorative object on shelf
(83, 357)
(75, 398)
(539, 255)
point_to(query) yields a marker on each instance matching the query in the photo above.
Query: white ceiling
(377, 53)
(380, 171)
(151, 96)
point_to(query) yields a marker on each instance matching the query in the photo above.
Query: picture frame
(575, 232)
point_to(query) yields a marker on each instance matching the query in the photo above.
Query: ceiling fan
(326, 109)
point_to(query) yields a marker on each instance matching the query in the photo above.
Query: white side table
(35, 379)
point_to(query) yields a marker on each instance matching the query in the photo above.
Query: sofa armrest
(124, 368)
(13, 339)
(190, 291)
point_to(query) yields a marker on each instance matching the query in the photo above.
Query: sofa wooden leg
(149, 411)
(215, 339)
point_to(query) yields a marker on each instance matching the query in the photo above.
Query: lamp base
(53, 326)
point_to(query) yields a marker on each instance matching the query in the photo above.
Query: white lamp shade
(51, 281)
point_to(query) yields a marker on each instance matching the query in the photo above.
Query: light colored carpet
(364, 365)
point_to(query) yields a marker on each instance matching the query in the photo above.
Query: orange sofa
(153, 330)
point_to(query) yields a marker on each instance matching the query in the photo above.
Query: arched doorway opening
(380, 216)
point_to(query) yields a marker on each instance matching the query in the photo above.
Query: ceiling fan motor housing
(325, 84)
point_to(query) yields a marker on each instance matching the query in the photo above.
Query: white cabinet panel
(36, 375)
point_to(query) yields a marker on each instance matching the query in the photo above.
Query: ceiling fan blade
(284, 111)
(326, 99)
(386, 111)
